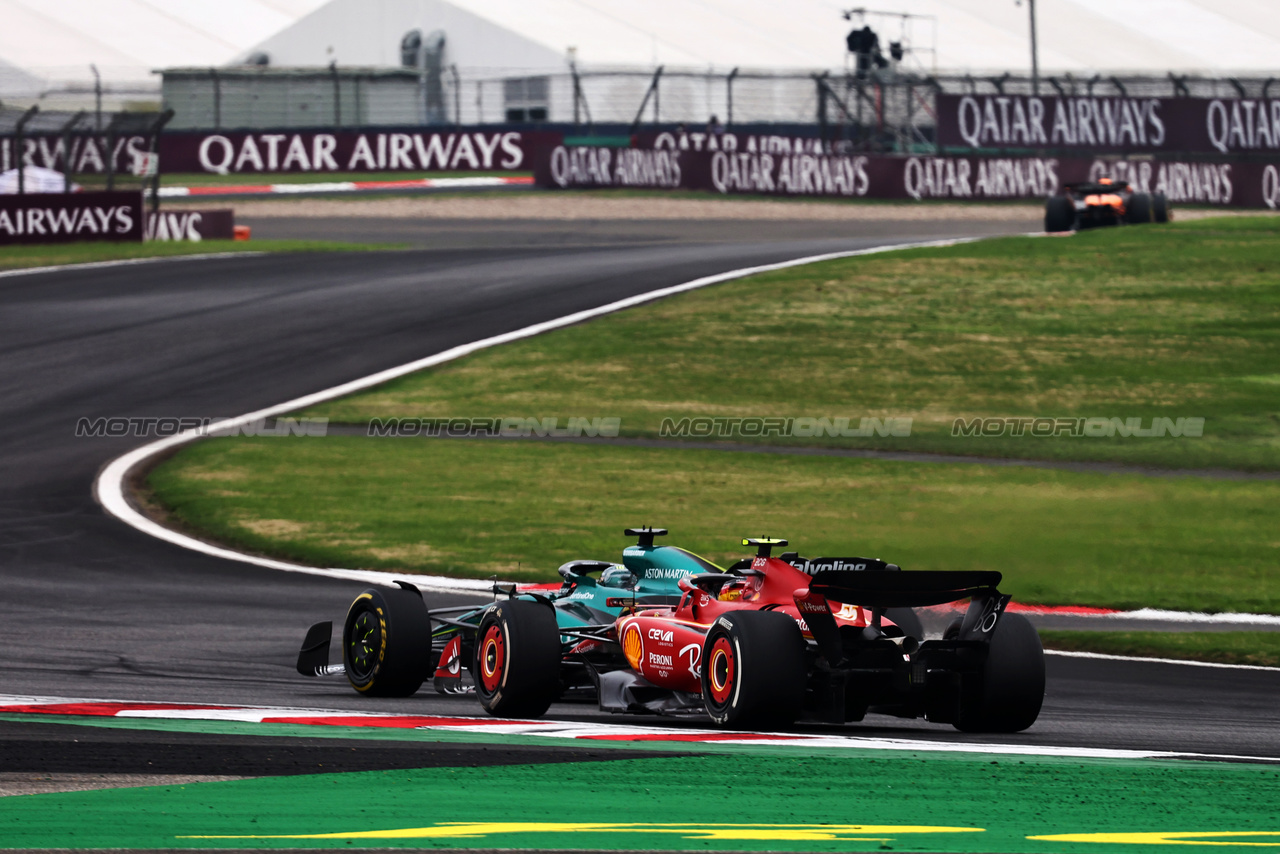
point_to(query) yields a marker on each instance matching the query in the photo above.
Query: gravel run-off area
(584, 206)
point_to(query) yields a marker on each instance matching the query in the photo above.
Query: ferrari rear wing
(880, 590)
(903, 589)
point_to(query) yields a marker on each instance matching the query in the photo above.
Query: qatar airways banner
(1110, 124)
(299, 151)
(70, 217)
(910, 178)
(87, 154)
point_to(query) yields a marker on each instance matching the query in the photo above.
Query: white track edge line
(109, 486)
(567, 729)
(1183, 661)
(127, 262)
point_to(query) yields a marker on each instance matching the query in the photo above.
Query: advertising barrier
(70, 217)
(1095, 124)
(194, 226)
(1254, 185)
(225, 153)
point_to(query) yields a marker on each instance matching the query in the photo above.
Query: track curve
(101, 610)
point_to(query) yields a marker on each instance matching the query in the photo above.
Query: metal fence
(881, 111)
(91, 150)
(242, 98)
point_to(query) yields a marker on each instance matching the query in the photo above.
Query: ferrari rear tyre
(386, 643)
(1059, 214)
(1008, 696)
(753, 670)
(1160, 207)
(1139, 209)
(517, 659)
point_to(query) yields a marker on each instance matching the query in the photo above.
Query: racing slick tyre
(517, 659)
(753, 670)
(1059, 214)
(1160, 207)
(1008, 695)
(386, 643)
(1139, 209)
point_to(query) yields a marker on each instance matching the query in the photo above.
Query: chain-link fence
(878, 111)
(65, 151)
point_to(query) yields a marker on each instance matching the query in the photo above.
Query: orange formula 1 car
(1105, 202)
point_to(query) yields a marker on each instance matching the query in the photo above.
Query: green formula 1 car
(392, 643)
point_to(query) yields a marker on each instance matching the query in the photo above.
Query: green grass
(757, 801)
(519, 509)
(204, 179)
(1176, 321)
(1260, 648)
(21, 257)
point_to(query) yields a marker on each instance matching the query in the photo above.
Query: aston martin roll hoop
(772, 640)
(1102, 202)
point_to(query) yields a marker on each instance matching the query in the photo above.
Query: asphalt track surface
(94, 609)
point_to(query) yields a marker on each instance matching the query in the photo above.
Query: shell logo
(632, 646)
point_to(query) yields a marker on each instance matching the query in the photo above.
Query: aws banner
(1110, 124)
(70, 217)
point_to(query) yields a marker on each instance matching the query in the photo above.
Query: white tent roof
(1080, 36)
(55, 40)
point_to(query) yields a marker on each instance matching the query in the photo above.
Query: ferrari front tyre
(517, 659)
(753, 670)
(1059, 214)
(1139, 209)
(386, 643)
(1160, 207)
(1010, 690)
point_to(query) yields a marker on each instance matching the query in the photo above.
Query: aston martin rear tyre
(753, 670)
(517, 659)
(386, 643)
(1008, 695)
(1139, 209)
(1059, 214)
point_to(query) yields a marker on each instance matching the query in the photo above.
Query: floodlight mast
(1035, 54)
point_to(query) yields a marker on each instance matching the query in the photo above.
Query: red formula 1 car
(777, 640)
(1103, 202)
